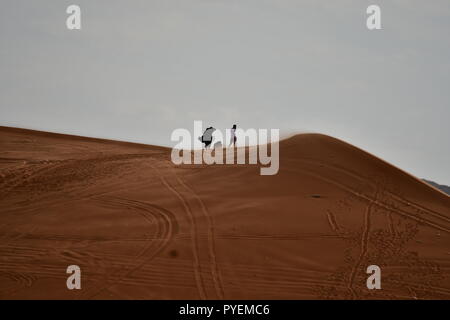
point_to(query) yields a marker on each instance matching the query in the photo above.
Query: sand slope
(141, 228)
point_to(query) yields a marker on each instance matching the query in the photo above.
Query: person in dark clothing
(207, 137)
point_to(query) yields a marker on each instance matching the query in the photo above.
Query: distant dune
(441, 187)
(140, 227)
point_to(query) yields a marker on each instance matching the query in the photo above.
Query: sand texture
(140, 227)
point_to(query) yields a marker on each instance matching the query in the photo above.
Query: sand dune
(140, 227)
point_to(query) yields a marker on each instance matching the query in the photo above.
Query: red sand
(141, 228)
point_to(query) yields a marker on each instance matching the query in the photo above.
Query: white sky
(139, 69)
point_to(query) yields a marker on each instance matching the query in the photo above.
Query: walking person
(233, 136)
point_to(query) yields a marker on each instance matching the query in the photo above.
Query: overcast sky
(139, 69)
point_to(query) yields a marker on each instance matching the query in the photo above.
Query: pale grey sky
(139, 69)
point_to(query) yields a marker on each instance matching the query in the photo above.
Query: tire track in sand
(379, 203)
(194, 235)
(398, 198)
(332, 221)
(166, 225)
(216, 275)
(364, 245)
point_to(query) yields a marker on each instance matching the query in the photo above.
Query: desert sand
(140, 227)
